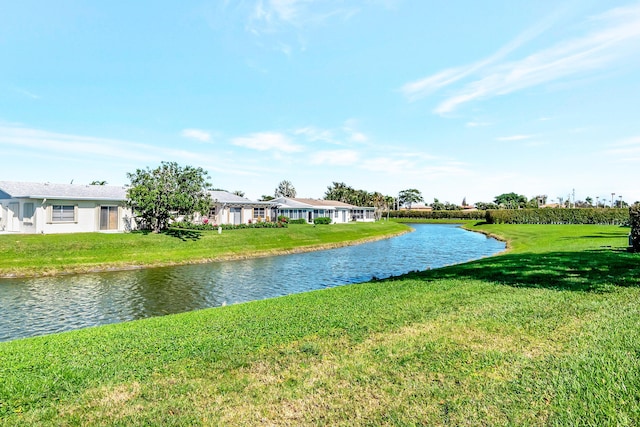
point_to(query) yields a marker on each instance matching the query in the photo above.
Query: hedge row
(477, 215)
(324, 220)
(602, 216)
(191, 226)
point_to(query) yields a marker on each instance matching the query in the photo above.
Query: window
(28, 210)
(258, 213)
(63, 213)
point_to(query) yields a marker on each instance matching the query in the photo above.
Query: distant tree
(510, 201)
(589, 201)
(483, 206)
(285, 189)
(464, 202)
(239, 193)
(266, 198)
(340, 192)
(159, 195)
(437, 205)
(98, 183)
(451, 207)
(409, 197)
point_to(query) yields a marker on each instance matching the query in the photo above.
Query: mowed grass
(546, 334)
(24, 255)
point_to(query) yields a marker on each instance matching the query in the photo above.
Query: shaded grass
(455, 346)
(63, 253)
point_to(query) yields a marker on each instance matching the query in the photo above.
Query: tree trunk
(634, 214)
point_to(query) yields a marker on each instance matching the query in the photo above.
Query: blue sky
(459, 99)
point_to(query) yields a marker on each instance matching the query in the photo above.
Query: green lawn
(546, 334)
(58, 253)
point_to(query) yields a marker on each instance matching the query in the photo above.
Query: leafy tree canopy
(410, 196)
(159, 195)
(285, 189)
(511, 200)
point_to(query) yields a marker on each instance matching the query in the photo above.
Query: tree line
(159, 195)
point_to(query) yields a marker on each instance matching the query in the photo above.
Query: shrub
(298, 221)
(184, 225)
(282, 218)
(323, 220)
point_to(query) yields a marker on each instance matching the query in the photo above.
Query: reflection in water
(46, 305)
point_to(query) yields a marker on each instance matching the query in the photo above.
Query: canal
(45, 305)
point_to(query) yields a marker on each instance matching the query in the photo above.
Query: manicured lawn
(56, 253)
(546, 334)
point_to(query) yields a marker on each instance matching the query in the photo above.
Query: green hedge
(603, 216)
(298, 221)
(190, 226)
(322, 220)
(478, 215)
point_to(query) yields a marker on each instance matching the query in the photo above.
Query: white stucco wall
(87, 217)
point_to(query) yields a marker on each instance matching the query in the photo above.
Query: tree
(437, 205)
(159, 195)
(340, 192)
(410, 196)
(483, 206)
(285, 189)
(98, 183)
(239, 193)
(266, 198)
(510, 200)
(634, 219)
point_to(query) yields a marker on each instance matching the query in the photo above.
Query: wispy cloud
(514, 137)
(615, 38)
(314, 134)
(626, 150)
(267, 141)
(197, 134)
(335, 158)
(269, 16)
(475, 124)
(27, 93)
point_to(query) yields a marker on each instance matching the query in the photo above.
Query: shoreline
(114, 267)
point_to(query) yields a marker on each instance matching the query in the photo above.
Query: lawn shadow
(183, 234)
(590, 271)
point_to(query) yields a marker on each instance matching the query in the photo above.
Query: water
(38, 306)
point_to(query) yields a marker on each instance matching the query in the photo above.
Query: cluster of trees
(341, 192)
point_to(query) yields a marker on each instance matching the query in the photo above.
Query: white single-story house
(229, 208)
(30, 207)
(310, 209)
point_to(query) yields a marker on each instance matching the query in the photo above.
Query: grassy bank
(547, 334)
(27, 255)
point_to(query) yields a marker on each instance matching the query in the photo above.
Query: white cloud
(265, 141)
(335, 158)
(269, 16)
(314, 134)
(514, 137)
(475, 124)
(197, 134)
(616, 38)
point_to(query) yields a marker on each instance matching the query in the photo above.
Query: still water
(39, 306)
